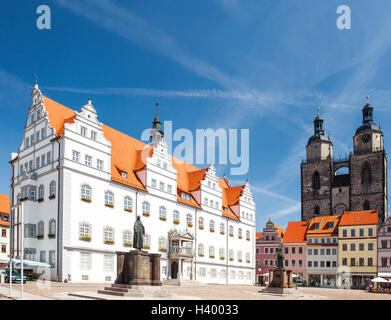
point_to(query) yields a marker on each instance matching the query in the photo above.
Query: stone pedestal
(138, 268)
(280, 278)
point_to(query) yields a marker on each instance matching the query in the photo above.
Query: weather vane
(367, 97)
(156, 104)
(318, 109)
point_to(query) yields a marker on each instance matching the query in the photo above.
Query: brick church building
(358, 182)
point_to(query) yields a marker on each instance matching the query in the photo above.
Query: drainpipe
(195, 244)
(58, 208)
(226, 273)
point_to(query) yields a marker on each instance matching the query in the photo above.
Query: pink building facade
(294, 249)
(267, 244)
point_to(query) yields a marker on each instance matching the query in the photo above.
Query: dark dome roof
(368, 126)
(319, 138)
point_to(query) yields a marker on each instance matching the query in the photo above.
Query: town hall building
(77, 186)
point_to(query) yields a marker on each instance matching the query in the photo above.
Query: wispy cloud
(286, 211)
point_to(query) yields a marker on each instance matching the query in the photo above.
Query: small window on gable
(124, 174)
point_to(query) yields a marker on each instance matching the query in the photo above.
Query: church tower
(368, 167)
(316, 173)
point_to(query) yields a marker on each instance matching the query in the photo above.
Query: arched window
(316, 181)
(366, 174)
(162, 213)
(366, 205)
(240, 233)
(222, 228)
(147, 241)
(201, 250)
(41, 229)
(109, 199)
(222, 253)
(175, 217)
(162, 244)
(41, 192)
(85, 231)
(127, 238)
(52, 189)
(52, 228)
(212, 225)
(231, 231)
(18, 197)
(316, 211)
(128, 203)
(108, 235)
(231, 254)
(146, 208)
(248, 257)
(189, 219)
(86, 192)
(247, 235)
(201, 223)
(211, 252)
(240, 256)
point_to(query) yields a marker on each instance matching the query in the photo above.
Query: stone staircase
(276, 291)
(125, 290)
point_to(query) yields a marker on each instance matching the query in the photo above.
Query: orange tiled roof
(324, 226)
(295, 232)
(280, 230)
(258, 235)
(359, 218)
(128, 154)
(4, 203)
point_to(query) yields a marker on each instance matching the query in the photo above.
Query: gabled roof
(4, 203)
(129, 154)
(328, 225)
(295, 232)
(280, 231)
(359, 218)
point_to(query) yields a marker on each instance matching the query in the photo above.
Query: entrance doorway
(174, 270)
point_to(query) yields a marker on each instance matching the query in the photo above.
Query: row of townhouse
(346, 250)
(78, 185)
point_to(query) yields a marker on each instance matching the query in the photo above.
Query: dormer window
(185, 196)
(225, 209)
(124, 174)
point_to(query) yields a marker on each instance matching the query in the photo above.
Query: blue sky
(264, 65)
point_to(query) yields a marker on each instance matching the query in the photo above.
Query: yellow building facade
(357, 249)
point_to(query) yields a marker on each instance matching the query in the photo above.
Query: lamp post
(22, 250)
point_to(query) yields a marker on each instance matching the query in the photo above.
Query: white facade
(79, 226)
(322, 260)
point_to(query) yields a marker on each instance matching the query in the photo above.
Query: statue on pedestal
(280, 259)
(138, 236)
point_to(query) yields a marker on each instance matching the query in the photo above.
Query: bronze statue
(280, 259)
(138, 236)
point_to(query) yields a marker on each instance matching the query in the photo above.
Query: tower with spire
(355, 182)
(156, 133)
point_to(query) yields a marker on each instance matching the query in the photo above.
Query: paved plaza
(61, 291)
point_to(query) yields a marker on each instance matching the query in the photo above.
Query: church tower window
(316, 181)
(366, 174)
